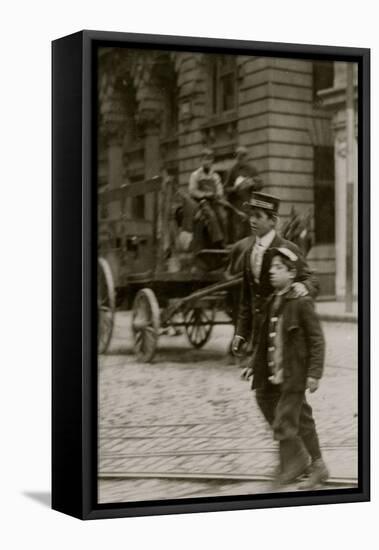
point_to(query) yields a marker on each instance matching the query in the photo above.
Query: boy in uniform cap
(206, 189)
(288, 359)
(255, 257)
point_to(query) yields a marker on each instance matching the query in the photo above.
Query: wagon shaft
(191, 299)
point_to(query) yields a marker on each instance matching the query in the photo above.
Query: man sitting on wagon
(210, 219)
(241, 180)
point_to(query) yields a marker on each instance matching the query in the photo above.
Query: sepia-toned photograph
(227, 274)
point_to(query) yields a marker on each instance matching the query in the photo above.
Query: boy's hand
(237, 344)
(246, 373)
(312, 384)
(299, 289)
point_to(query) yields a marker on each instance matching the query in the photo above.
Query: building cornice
(334, 99)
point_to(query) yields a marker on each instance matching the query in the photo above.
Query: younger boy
(289, 359)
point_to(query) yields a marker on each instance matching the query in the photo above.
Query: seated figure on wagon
(218, 217)
(241, 180)
(210, 220)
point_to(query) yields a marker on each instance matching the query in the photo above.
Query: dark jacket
(244, 170)
(303, 342)
(236, 256)
(253, 294)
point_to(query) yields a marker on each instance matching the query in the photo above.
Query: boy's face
(207, 162)
(280, 275)
(260, 222)
(241, 158)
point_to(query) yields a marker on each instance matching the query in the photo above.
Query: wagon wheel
(145, 324)
(199, 324)
(105, 305)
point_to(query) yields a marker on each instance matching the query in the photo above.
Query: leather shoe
(294, 463)
(319, 474)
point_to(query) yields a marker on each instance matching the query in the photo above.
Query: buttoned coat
(303, 344)
(253, 294)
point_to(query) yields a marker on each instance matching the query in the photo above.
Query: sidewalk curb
(338, 318)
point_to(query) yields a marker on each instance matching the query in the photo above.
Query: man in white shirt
(206, 189)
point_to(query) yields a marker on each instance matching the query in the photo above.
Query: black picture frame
(74, 359)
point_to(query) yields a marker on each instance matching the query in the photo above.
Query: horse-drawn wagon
(146, 264)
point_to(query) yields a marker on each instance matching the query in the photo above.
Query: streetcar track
(210, 452)
(160, 437)
(332, 482)
(125, 363)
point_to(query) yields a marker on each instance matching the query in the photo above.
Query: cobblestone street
(187, 425)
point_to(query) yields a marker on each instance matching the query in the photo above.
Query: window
(131, 134)
(222, 84)
(324, 196)
(138, 207)
(170, 111)
(164, 79)
(323, 77)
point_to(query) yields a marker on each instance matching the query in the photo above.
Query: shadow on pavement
(164, 353)
(42, 497)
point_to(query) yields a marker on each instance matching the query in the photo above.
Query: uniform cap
(263, 202)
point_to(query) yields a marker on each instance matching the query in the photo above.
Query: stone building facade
(158, 109)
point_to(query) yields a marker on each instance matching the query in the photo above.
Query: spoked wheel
(105, 305)
(145, 324)
(199, 324)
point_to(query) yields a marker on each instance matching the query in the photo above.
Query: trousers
(290, 416)
(210, 225)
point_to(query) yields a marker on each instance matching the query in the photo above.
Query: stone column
(335, 100)
(149, 121)
(340, 213)
(192, 91)
(341, 208)
(112, 125)
(111, 134)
